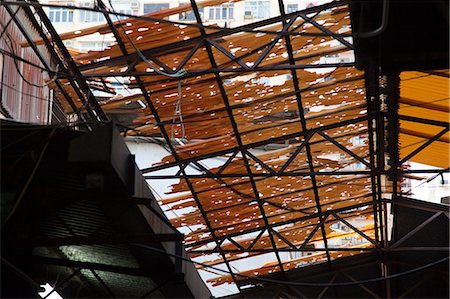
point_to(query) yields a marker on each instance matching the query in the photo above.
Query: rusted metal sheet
(25, 101)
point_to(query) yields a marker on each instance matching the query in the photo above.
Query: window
(257, 9)
(222, 12)
(91, 16)
(291, 8)
(60, 15)
(152, 7)
(189, 15)
(295, 255)
(126, 11)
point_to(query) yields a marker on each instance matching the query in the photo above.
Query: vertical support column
(376, 143)
(376, 148)
(391, 90)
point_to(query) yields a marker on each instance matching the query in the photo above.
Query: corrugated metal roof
(426, 96)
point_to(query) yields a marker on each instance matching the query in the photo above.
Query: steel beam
(415, 230)
(304, 128)
(425, 145)
(235, 130)
(222, 32)
(104, 285)
(46, 65)
(255, 144)
(161, 127)
(281, 223)
(291, 173)
(77, 82)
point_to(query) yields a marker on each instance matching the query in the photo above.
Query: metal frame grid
(376, 118)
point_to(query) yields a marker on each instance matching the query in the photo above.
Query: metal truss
(383, 260)
(221, 32)
(62, 59)
(376, 119)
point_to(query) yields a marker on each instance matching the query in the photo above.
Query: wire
(178, 74)
(292, 283)
(14, 56)
(33, 96)
(9, 22)
(26, 126)
(24, 93)
(178, 112)
(11, 47)
(425, 182)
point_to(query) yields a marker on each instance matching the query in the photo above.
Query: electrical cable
(50, 71)
(24, 93)
(9, 22)
(27, 126)
(11, 47)
(182, 72)
(141, 53)
(14, 56)
(292, 283)
(178, 112)
(425, 182)
(59, 75)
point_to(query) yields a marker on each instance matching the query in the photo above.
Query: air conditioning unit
(248, 15)
(134, 5)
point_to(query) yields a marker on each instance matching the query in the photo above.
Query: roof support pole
(376, 145)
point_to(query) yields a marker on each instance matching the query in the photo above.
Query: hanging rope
(179, 114)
